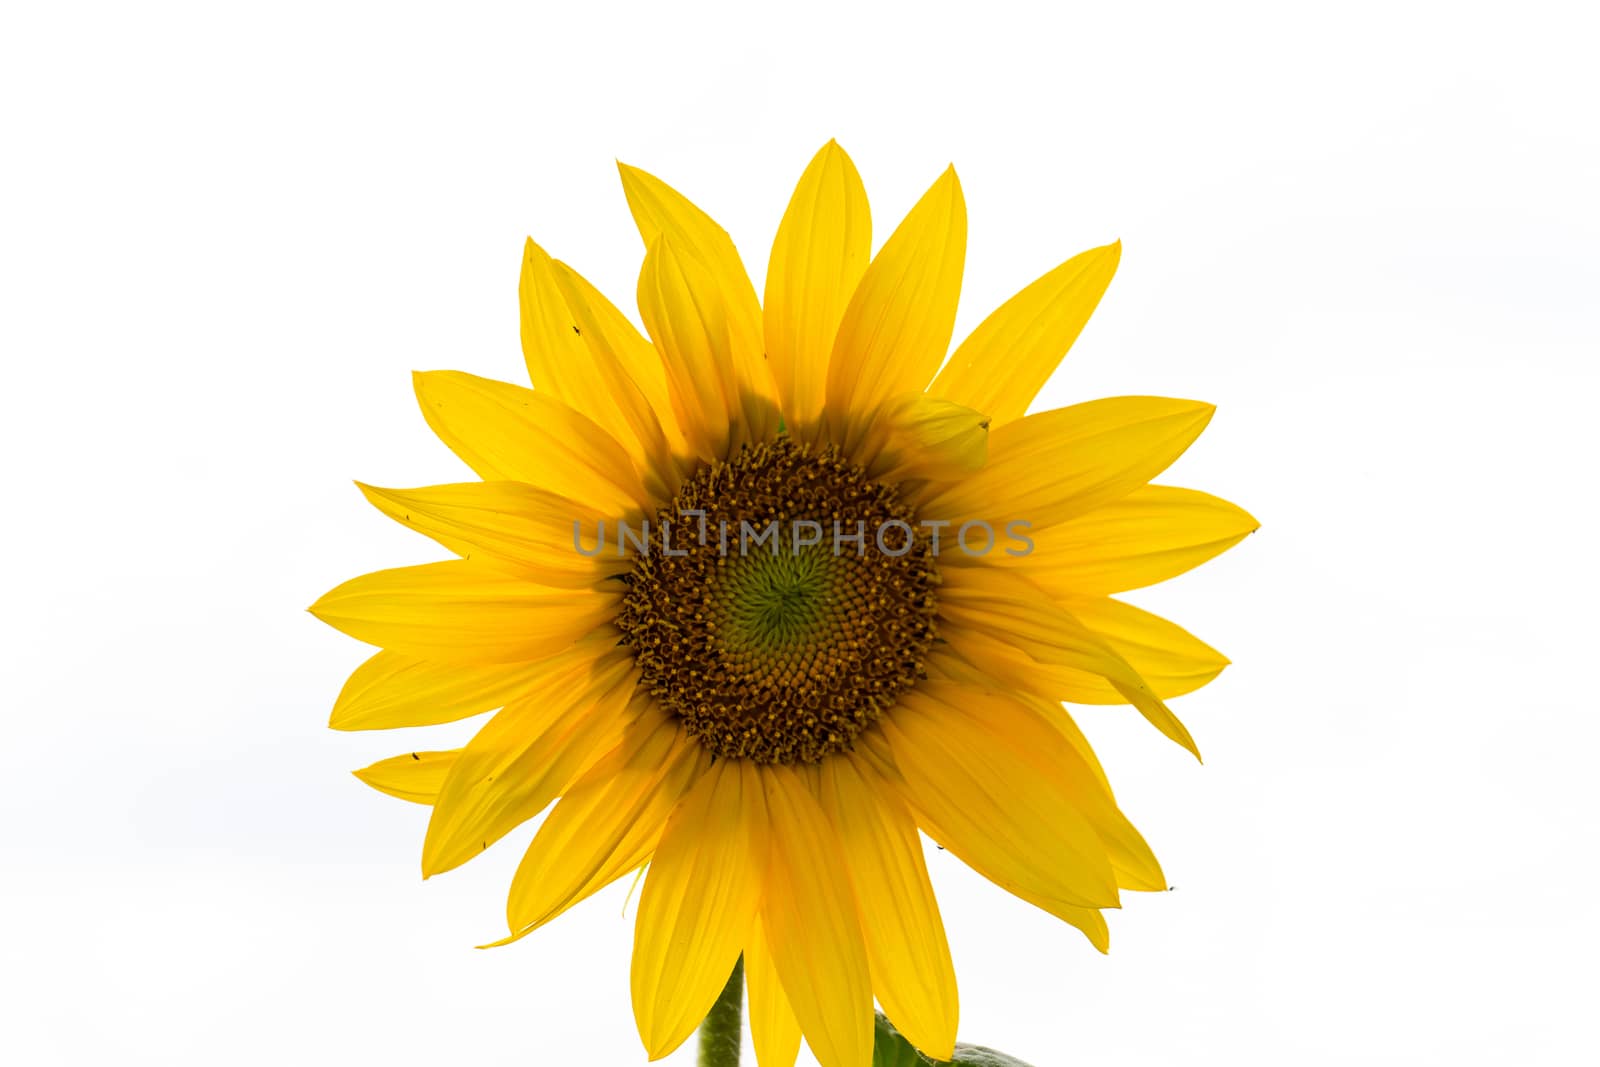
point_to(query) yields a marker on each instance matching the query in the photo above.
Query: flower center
(781, 604)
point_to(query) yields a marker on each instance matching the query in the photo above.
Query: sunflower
(766, 591)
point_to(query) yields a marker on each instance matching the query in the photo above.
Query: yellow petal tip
(374, 493)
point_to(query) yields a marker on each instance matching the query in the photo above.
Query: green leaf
(889, 1049)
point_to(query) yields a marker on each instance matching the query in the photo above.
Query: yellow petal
(873, 747)
(979, 798)
(1007, 607)
(530, 531)
(1169, 658)
(610, 335)
(1002, 366)
(661, 211)
(809, 913)
(508, 433)
(896, 328)
(570, 355)
(1056, 465)
(774, 1030)
(688, 321)
(924, 438)
(912, 975)
(529, 754)
(558, 360)
(607, 824)
(1011, 610)
(1063, 721)
(1154, 533)
(698, 904)
(1010, 660)
(413, 776)
(1026, 731)
(820, 253)
(392, 690)
(953, 662)
(1092, 924)
(459, 611)
(973, 641)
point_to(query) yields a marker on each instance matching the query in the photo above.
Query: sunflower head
(764, 591)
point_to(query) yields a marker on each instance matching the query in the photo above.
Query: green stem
(720, 1034)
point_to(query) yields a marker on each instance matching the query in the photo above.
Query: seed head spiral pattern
(766, 646)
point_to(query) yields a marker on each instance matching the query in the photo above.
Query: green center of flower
(777, 603)
(766, 613)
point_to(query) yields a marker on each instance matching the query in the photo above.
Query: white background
(1369, 234)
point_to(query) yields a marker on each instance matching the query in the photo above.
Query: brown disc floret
(781, 604)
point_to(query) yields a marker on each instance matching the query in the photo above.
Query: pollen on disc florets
(759, 619)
